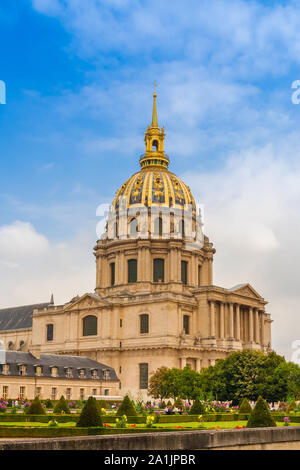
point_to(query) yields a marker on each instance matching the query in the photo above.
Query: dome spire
(154, 155)
(154, 112)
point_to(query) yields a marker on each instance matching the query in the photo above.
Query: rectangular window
(184, 266)
(68, 393)
(199, 275)
(69, 373)
(81, 394)
(53, 393)
(5, 391)
(22, 392)
(144, 376)
(82, 373)
(22, 370)
(54, 372)
(38, 371)
(132, 270)
(94, 392)
(50, 330)
(112, 274)
(121, 323)
(106, 392)
(158, 270)
(38, 392)
(144, 323)
(94, 374)
(186, 324)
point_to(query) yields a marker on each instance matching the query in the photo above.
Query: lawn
(171, 426)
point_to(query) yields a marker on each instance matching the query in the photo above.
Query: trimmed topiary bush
(178, 404)
(291, 407)
(126, 408)
(260, 416)
(61, 406)
(35, 408)
(197, 407)
(90, 415)
(245, 407)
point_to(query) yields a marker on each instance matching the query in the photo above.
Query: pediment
(86, 301)
(246, 290)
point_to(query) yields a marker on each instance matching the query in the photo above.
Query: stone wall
(281, 438)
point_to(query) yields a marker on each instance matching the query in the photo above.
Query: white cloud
(19, 241)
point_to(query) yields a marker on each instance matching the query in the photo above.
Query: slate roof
(62, 362)
(17, 318)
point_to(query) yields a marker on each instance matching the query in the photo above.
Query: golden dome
(155, 185)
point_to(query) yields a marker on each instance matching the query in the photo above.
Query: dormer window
(69, 373)
(106, 375)
(22, 369)
(94, 374)
(82, 373)
(38, 371)
(54, 371)
(5, 369)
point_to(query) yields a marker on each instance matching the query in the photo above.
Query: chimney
(35, 351)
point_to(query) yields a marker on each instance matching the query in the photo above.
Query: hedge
(209, 417)
(16, 432)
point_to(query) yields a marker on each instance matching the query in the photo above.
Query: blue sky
(79, 79)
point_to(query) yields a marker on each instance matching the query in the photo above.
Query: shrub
(245, 406)
(61, 406)
(260, 416)
(291, 407)
(48, 403)
(126, 408)
(90, 415)
(197, 408)
(102, 404)
(178, 404)
(35, 408)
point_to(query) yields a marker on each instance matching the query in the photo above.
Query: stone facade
(155, 303)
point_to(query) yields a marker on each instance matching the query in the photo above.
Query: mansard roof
(17, 318)
(62, 362)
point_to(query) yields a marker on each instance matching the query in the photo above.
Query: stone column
(198, 365)
(183, 362)
(222, 320)
(148, 267)
(251, 324)
(212, 319)
(210, 272)
(256, 319)
(262, 328)
(140, 276)
(237, 322)
(231, 330)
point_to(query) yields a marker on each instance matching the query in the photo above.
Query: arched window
(22, 344)
(50, 332)
(10, 345)
(132, 270)
(144, 323)
(158, 227)
(155, 145)
(158, 270)
(116, 230)
(90, 325)
(133, 228)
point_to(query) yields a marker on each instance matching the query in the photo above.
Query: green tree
(158, 387)
(35, 408)
(126, 408)
(197, 408)
(61, 406)
(260, 416)
(245, 406)
(90, 415)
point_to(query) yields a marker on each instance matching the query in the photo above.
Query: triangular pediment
(86, 301)
(246, 290)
